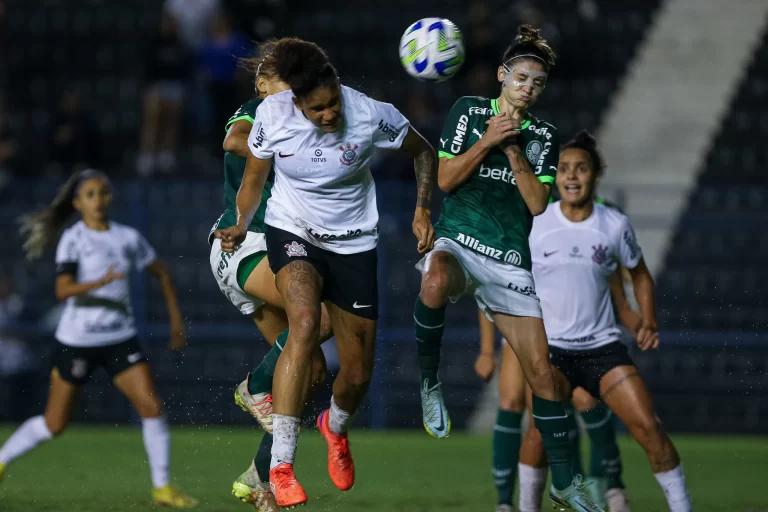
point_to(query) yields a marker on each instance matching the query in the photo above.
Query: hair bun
(527, 34)
(586, 139)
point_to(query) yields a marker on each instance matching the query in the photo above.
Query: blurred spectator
(11, 305)
(8, 148)
(193, 18)
(167, 70)
(74, 140)
(483, 50)
(218, 60)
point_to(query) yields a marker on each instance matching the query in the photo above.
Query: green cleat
(573, 498)
(437, 423)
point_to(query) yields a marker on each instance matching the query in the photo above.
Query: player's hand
(422, 228)
(111, 275)
(178, 337)
(485, 366)
(231, 237)
(500, 127)
(647, 336)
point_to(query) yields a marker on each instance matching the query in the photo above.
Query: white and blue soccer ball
(432, 50)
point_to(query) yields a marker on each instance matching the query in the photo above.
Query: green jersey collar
(495, 107)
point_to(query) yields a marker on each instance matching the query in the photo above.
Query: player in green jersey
(498, 163)
(605, 460)
(245, 278)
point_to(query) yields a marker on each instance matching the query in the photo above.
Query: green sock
(429, 335)
(604, 456)
(261, 376)
(551, 421)
(264, 457)
(506, 451)
(574, 437)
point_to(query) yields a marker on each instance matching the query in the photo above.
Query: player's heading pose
(321, 240)
(245, 278)
(97, 327)
(577, 246)
(498, 163)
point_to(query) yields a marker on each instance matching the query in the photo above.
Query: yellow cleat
(2, 471)
(171, 497)
(249, 488)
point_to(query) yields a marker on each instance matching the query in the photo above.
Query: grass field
(94, 469)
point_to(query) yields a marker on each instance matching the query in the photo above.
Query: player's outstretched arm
(159, 269)
(67, 285)
(425, 165)
(236, 141)
(645, 292)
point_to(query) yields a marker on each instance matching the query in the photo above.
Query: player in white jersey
(577, 245)
(97, 327)
(322, 232)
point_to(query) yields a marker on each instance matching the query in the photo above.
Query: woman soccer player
(244, 277)
(497, 162)
(577, 246)
(97, 326)
(321, 240)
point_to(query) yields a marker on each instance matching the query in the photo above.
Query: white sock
(532, 482)
(672, 482)
(338, 420)
(30, 434)
(157, 442)
(285, 432)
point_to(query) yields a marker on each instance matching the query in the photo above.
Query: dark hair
(530, 44)
(303, 65)
(40, 227)
(586, 141)
(269, 54)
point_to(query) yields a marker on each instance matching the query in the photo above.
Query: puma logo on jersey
(442, 142)
(461, 131)
(479, 135)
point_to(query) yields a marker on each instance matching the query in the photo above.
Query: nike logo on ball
(358, 306)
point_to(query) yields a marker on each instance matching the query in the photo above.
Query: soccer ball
(432, 50)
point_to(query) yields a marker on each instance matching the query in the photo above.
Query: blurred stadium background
(676, 90)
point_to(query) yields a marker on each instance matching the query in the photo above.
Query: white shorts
(497, 287)
(224, 266)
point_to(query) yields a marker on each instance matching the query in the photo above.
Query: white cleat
(617, 500)
(259, 406)
(504, 508)
(437, 423)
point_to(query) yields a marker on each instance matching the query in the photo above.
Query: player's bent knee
(647, 430)
(512, 403)
(56, 427)
(435, 284)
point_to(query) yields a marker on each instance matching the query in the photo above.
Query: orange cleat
(287, 490)
(340, 465)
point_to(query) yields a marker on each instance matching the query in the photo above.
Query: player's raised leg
(138, 386)
(625, 393)
(441, 278)
(62, 397)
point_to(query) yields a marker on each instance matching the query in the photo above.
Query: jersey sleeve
(546, 168)
(144, 253)
(453, 139)
(389, 126)
(257, 140)
(67, 254)
(246, 112)
(629, 250)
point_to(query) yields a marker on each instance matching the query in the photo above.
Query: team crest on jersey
(348, 154)
(533, 151)
(295, 249)
(600, 255)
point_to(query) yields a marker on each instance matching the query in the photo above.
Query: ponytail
(39, 228)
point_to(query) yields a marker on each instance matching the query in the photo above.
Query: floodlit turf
(100, 469)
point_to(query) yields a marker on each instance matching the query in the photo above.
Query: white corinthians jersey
(103, 316)
(572, 264)
(323, 190)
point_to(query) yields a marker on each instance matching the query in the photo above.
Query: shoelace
(342, 449)
(264, 407)
(434, 410)
(285, 480)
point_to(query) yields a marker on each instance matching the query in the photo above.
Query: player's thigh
(138, 386)
(261, 284)
(248, 263)
(62, 400)
(526, 336)
(443, 271)
(582, 400)
(511, 381)
(270, 321)
(624, 391)
(355, 343)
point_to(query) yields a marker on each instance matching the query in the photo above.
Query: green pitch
(96, 469)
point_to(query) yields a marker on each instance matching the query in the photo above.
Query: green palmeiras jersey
(234, 168)
(486, 213)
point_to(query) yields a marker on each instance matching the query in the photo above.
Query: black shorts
(76, 364)
(350, 281)
(586, 368)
